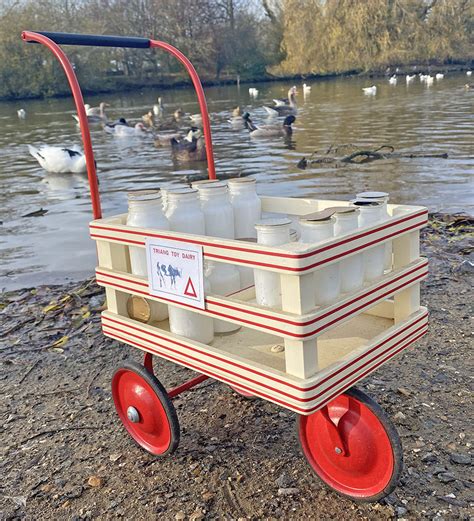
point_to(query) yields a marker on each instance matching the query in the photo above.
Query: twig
(92, 380)
(55, 431)
(28, 372)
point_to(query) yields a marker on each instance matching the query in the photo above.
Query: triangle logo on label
(189, 290)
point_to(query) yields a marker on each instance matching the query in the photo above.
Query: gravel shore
(64, 454)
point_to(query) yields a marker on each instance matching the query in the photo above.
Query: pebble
(291, 491)
(429, 457)
(461, 459)
(180, 515)
(283, 481)
(446, 477)
(400, 417)
(95, 481)
(401, 511)
(197, 515)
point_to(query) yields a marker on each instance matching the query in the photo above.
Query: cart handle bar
(51, 41)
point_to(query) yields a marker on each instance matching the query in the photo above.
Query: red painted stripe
(255, 371)
(273, 399)
(259, 252)
(279, 319)
(283, 332)
(303, 400)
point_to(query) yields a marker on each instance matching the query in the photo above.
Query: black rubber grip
(97, 40)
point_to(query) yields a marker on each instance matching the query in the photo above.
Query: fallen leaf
(95, 481)
(51, 307)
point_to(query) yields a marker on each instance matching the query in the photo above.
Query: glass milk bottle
(247, 206)
(185, 215)
(327, 281)
(190, 324)
(374, 257)
(145, 211)
(217, 209)
(270, 232)
(164, 193)
(381, 197)
(247, 211)
(352, 268)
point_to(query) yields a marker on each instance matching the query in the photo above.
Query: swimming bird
(178, 114)
(429, 80)
(306, 88)
(59, 160)
(269, 130)
(196, 119)
(282, 102)
(149, 118)
(410, 78)
(469, 86)
(21, 113)
(164, 140)
(189, 148)
(393, 80)
(237, 119)
(253, 92)
(439, 76)
(284, 109)
(370, 90)
(124, 130)
(96, 111)
(468, 73)
(158, 108)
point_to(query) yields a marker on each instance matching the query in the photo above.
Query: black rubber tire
(395, 442)
(165, 400)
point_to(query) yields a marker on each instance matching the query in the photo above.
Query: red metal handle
(30, 36)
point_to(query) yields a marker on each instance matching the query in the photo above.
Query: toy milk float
(215, 281)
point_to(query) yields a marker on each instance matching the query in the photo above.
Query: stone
(180, 516)
(95, 481)
(446, 477)
(290, 491)
(460, 459)
(283, 481)
(429, 457)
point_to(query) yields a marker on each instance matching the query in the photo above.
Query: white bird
(121, 130)
(410, 78)
(306, 88)
(439, 76)
(21, 113)
(196, 119)
(429, 80)
(158, 109)
(253, 92)
(468, 73)
(370, 90)
(393, 80)
(60, 160)
(96, 111)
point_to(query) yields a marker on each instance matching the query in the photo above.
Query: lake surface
(412, 118)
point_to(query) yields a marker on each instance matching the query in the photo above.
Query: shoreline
(184, 83)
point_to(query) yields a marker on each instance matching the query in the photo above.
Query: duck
(21, 113)
(178, 114)
(409, 78)
(196, 120)
(393, 80)
(158, 108)
(60, 160)
(429, 80)
(269, 130)
(253, 92)
(164, 140)
(370, 90)
(149, 118)
(123, 129)
(284, 109)
(189, 148)
(469, 86)
(306, 88)
(237, 119)
(439, 76)
(100, 117)
(468, 73)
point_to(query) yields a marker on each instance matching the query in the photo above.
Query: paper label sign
(175, 271)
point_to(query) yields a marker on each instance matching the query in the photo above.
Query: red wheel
(353, 447)
(145, 409)
(243, 393)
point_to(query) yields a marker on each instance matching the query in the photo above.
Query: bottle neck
(214, 194)
(137, 206)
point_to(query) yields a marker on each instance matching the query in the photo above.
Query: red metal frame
(30, 36)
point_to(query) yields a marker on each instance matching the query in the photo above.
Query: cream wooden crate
(327, 348)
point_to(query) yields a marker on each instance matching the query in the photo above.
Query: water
(414, 118)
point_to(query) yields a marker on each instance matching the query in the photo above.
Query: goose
(190, 148)
(410, 78)
(158, 109)
(306, 88)
(121, 129)
(164, 140)
(269, 130)
(282, 102)
(393, 80)
(237, 120)
(429, 80)
(370, 90)
(253, 92)
(96, 111)
(21, 113)
(149, 118)
(468, 73)
(59, 160)
(284, 110)
(439, 76)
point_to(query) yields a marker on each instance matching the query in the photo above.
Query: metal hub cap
(133, 415)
